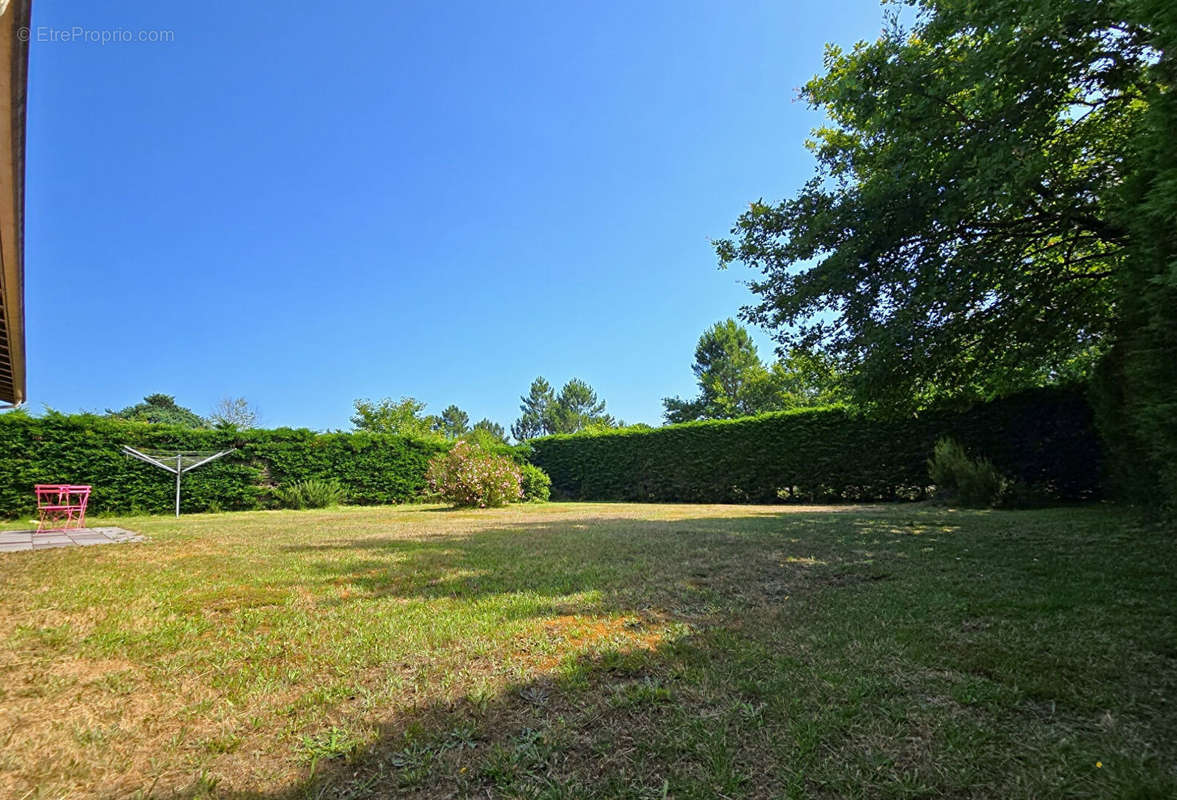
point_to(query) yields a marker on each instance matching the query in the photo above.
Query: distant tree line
(733, 382)
(407, 417)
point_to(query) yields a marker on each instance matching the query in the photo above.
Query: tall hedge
(1043, 438)
(87, 449)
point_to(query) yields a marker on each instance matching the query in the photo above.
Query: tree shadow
(571, 734)
(704, 671)
(623, 561)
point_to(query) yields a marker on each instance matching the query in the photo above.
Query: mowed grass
(596, 651)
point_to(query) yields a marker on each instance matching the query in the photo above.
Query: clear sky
(306, 203)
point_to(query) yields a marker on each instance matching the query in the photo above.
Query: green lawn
(596, 651)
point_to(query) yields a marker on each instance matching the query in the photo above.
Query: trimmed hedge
(1043, 439)
(87, 449)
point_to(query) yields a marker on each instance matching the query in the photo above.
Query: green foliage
(726, 363)
(971, 482)
(575, 408)
(734, 382)
(1135, 393)
(537, 486)
(468, 476)
(804, 379)
(993, 209)
(332, 743)
(453, 422)
(399, 418)
(486, 439)
(943, 466)
(535, 412)
(491, 429)
(311, 493)
(161, 409)
(56, 448)
(1041, 438)
(966, 227)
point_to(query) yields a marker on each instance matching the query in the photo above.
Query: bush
(469, 476)
(313, 493)
(1042, 438)
(971, 482)
(537, 486)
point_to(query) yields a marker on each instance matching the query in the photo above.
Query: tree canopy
(964, 229)
(490, 428)
(453, 422)
(403, 417)
(535, 412)
(575, 408)
(161, 408)
(734, 382)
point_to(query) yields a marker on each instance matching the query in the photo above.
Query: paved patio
(11, 541)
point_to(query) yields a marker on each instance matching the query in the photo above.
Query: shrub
(469, 476)
(537, 486)
(312, 493)
(972, 482)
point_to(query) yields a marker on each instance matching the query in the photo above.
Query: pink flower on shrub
(469, 476)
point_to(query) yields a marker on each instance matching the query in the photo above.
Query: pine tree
(536, 409)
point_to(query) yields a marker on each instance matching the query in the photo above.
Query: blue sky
(304, 204)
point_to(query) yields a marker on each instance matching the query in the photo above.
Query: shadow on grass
(595, 728)
(628, 563)
(810, 655)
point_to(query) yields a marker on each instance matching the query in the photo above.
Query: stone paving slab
(13, 541)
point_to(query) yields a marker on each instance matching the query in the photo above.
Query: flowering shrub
(469, 476)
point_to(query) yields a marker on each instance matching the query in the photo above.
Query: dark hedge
(1044, 439)
(86, 449)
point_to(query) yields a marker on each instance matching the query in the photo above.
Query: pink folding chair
(61, 506)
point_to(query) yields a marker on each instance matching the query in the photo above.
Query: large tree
(161, 408)
(453, 422)
(535, 418)
(734, 382)
(577, 407)
(726, 362)
(964, 231)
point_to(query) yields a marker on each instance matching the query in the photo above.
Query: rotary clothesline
(176, 461)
